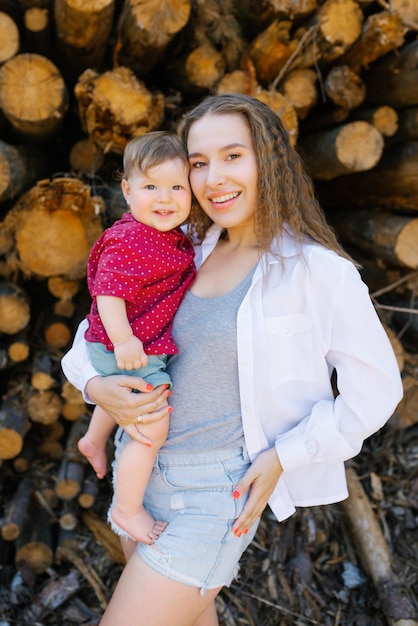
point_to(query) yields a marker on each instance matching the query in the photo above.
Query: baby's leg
(133, 471)
(93, 443)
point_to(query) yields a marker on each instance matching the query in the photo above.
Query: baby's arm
(129, 351)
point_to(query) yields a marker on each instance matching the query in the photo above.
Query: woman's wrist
(89, 389)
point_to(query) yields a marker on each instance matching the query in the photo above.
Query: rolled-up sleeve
(76, 364)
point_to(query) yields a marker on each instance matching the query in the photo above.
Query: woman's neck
(238, 237)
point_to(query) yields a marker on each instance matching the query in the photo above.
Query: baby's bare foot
(95, 455)
(140, 525)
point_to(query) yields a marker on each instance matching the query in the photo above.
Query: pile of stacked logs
(77, 81)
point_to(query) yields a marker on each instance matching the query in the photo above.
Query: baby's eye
(177, 187)
(150, 186)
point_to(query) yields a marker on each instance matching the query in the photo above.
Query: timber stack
(78, 80)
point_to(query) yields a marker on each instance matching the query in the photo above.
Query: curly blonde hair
(285, 192)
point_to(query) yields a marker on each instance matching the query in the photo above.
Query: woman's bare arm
(118, 396)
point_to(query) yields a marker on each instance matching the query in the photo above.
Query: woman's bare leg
(208, 618)
(128, 547)
(146, 598)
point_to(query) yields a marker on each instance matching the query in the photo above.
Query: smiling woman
(272, 306)
(224, 176)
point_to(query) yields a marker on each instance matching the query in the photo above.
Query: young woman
(276, 309)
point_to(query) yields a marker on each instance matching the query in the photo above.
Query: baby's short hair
(142, 153)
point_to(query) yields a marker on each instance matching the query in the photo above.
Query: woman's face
(223, 169)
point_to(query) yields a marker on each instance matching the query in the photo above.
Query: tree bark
(68, 517)
(407, 126)
(42, 376)
(340, 23)
(392, 238)
(69, 479)
(393, 80)
(384, 118)
(115, 106)
(54, 225)
(145, 29)
(20, 167)
(344, 87)
(14, 425)
(353, 147)
(16, 510)
(381, 33)
(391, 185)
(89, 490)
(271, 50)
(375, 555)
(34, 544)
(55, 593)
(82, 32)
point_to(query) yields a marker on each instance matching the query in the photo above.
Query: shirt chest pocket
(290, 348)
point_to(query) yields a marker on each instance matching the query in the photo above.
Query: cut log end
(52, 243)
(11, 443)
(359, 146)
(406, 248)
(35, 556)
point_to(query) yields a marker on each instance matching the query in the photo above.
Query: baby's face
(160, 197)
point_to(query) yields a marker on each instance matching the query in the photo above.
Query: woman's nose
(215, 176)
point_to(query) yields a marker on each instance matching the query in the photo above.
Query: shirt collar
(283, 246)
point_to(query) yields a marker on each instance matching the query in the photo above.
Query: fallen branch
(375, 555)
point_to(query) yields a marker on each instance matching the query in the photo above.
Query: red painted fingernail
(246, 531)
(168, 394)
(169, 409)
(149, 445)
(236, 494)
(148, 387)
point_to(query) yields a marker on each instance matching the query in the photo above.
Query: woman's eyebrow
(221, 149)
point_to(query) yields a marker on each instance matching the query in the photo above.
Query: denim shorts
(193, 493)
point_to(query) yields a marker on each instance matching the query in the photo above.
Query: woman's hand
(115, 395)
(261, 478)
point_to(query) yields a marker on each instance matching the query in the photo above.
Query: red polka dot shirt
(150, 270)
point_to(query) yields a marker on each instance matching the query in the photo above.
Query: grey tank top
(205, 394)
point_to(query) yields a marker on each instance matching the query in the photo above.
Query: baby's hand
(130, 354)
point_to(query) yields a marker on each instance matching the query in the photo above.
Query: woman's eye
(232, 156)
(197, 164)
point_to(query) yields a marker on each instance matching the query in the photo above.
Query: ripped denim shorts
(193, 493)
